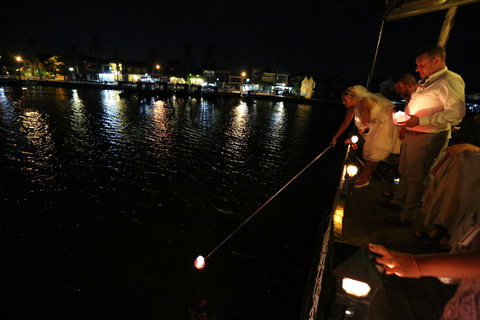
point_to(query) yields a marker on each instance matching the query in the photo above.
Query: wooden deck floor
(365, 222)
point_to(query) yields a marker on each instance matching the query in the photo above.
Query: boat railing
(333, 232)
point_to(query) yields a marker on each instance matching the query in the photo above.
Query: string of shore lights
(200, 261)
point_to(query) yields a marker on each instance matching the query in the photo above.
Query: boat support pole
(370, 76)
(447, 27)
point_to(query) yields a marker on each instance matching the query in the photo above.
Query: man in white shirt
(437, 104)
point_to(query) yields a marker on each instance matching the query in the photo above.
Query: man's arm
(452, 95)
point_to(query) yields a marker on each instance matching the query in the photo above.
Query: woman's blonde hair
(348, 92)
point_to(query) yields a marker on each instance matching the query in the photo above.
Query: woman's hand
(333, 142)
(398, 263)
(459, 148)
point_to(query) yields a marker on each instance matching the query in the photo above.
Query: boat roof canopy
(399, 9)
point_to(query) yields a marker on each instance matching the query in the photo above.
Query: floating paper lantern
(400, 118)
(199, 262)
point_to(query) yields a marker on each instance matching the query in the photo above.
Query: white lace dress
(382, 138)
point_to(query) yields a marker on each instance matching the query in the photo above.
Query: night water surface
(107, 201)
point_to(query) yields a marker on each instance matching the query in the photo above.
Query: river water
(107, 201)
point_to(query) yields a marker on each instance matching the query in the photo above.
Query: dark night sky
(319, 38)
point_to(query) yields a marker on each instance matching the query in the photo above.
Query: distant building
(306, 89)
(216, 78)
(235, 80)
(133, 71)
(178, 69)
(268, 80)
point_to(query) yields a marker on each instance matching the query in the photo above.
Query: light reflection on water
(238, 133)
(112, 111)
(133, 189)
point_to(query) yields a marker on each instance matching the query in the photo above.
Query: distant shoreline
(156, 92)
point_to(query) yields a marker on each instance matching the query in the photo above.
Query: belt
(418, 132)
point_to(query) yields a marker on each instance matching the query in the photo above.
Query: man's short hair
(433, 51)
(407, 78)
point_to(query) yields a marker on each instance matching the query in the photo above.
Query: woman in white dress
(372, 111)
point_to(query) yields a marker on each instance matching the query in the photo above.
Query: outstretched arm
(452, 265)
(346, 122)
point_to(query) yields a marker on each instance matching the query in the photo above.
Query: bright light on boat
(199, 262)
(356, 288)
(352, 170)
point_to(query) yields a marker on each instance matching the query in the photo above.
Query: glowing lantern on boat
(354, 139)
(358, 279)
(352, 170)
(400, 118)
(199, 262)
(356, 288)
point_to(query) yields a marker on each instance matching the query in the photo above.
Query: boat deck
(364, 222)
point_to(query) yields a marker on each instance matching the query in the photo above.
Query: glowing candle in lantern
(400, 118)
(354, 139)
(199, 262)
(352, 170)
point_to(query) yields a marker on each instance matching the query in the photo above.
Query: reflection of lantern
(400, 118)
(199, 262)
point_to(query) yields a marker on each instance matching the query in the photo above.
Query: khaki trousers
(416, 158)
